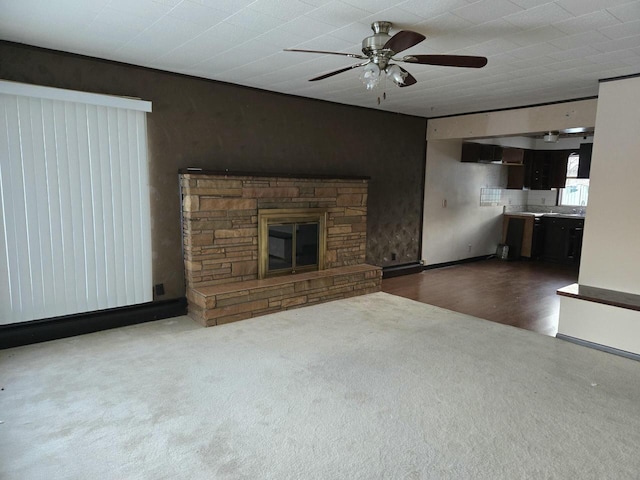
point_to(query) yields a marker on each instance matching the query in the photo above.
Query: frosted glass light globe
(370, 75)
(396, 74)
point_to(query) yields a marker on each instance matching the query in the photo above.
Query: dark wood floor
(519, 293)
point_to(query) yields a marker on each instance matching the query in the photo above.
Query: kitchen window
(576, 190)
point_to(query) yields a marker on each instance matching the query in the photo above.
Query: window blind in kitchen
(74, 197)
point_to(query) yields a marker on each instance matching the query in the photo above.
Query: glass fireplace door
(293, 247)
(290, 241)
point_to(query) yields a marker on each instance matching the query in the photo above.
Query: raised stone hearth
(221, 243)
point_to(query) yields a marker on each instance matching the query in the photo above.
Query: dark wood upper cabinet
(558, 174)
(481, 152)
(584, 167)
(515, 177)
(546, 169)
(533, 169)
(538, 171)
(496, 153)
(513, 156)
(470, 152)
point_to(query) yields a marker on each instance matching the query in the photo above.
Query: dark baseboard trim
(36, 331)
(458, 262)
(398, 270)
(597, 346)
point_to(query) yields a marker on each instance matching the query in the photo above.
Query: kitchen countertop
(552, 215)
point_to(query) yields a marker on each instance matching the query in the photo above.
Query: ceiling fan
(379, 52)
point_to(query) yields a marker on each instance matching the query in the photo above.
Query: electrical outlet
(543, 200)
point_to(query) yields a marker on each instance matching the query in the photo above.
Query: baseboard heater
(404, 269)
(458, 262)
(36, 331)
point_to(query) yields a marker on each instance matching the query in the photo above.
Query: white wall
(601, 324)
(611, 252)
(448, 231)
(559, 116)
(611, 248)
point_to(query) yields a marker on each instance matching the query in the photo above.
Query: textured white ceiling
(539, 51)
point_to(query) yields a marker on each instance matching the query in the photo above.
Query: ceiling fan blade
(353, 55)
(447, 60)
(331, 74)
(408, 80)
(403, 40)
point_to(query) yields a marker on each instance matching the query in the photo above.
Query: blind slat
(117, 199)
(6, 207)
(55, 293)
(25, 231)
(98, 232)
(64, 193)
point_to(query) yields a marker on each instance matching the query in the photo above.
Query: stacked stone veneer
(220, 226)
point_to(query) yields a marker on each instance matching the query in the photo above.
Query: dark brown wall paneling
(218, 126)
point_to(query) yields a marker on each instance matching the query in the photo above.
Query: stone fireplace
(254, 244)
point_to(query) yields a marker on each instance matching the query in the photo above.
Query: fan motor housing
(372, 46)
(374, 43)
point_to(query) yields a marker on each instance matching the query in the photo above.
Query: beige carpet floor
(373, 387)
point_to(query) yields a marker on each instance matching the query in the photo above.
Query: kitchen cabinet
(532, 169)
(558, 170)
(514, 159)
(515, 177)
(562, 239)
(513, 156)
(526, 246)
(517, 172)
(552, 237)
(481, 152)
(584, 167)
(546, 169)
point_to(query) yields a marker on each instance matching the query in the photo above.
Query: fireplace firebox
(291, 241)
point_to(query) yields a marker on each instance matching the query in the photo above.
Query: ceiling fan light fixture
(379, 49)
(395, 73)
(370, 75)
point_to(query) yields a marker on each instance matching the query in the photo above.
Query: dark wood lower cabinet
(562, 239)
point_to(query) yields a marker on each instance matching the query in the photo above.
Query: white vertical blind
(75, 227)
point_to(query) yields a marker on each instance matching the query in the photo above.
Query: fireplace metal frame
(271, 216)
